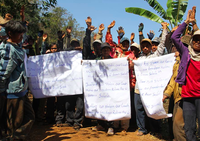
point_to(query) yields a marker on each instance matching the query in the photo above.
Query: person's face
(16, 37)
(97, 49)
(146, 47)
(75, 44)
(154, 46)
(135, 50)
(105, 52)
(196, 43)
(54, 48)
(125, 45)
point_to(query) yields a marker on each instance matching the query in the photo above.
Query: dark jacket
(87, 45)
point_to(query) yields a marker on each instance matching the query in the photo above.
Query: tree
(13, 6)
(174, 13)
(57, 20)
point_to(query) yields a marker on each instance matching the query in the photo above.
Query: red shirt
(192, 86)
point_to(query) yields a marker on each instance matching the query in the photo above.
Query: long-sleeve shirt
(173, 87)
(183, 50)
(157, 53)
(13, 78)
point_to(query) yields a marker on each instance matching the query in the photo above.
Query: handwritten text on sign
(55, 74)
(152, 77)
(106, 89)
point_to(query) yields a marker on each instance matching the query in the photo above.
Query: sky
(105, 11)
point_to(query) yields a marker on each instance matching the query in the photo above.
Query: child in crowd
(102, 125)
(3, 36)
(13, 84)
(188, 75)
(146, 47)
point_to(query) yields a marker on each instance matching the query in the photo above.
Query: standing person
(13, 84)
(146, 46)
(87, 39)
(3, 36)
(174, 89)
(50, 109)
(102, 125)
(188, 76)
(39, 104)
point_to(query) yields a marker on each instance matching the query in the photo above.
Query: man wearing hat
(135, 48)
(146, 47)
(97, 49)
(108, 125)
(155, 43)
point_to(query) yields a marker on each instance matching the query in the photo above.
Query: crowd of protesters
(18, 113)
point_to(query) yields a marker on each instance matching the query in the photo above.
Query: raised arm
(44, 45)
(176, 37)
(161, 46)
(109, 35)
(87, 39)
(140, 29)
(99, 35)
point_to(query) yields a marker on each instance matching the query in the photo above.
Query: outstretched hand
(92, 28)
(132, 36)
(151, 34)
(190, 16)
(101, 27)
(164, 25)
(112, 24)
(44, 37)
(88, 21)
(141, 27)
(69, 29)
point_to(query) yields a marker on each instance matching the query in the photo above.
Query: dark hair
(52, 44)
(14, 27)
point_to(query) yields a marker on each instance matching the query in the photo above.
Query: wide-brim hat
(74, 40)
(96, 41)
(156, 40)
(196, 33)
(124, 39)
(186, 39)
(136, 45)
(104, 45)
(146, 40)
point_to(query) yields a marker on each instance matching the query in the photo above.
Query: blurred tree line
(43, 15)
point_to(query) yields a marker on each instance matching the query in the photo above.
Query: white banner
(152, 77)
(55, 74)
(106, 89)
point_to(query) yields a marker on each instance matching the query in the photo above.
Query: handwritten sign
(106, 89)
(152, 77)
(55, 74)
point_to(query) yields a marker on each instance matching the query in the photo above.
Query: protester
(3, 36)
(146, 46)
(188, 77)
(20, 115)
(105, 125)
(87, 39)
(174, 89)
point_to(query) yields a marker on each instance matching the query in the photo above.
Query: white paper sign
(55, 74)
(152, 76)
(106, 89)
